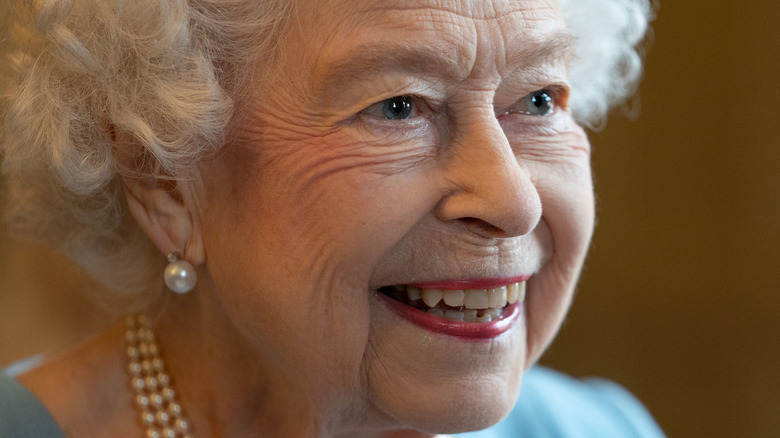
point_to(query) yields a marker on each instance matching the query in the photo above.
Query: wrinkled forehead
(350, 15)
(474, 9)
(512, 31)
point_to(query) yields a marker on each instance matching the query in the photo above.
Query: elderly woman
(369, 215)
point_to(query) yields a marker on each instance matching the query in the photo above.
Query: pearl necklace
(154, 398)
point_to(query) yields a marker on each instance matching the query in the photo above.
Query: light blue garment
(21, 414)
(551, 405)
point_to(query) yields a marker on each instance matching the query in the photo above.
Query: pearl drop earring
(180, 275)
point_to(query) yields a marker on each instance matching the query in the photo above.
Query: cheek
(567, 224)
(339, 192)
(293, 236)
(560, 169)
(287, 287)
(568, 203)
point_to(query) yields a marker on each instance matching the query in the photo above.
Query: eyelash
(403, 106)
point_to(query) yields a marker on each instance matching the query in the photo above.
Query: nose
(489, 191)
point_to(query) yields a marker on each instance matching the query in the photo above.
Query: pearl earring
(180, 275)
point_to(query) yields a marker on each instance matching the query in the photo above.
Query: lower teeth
(467, 315)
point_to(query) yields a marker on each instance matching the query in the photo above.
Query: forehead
(473, 9)
(499, 30)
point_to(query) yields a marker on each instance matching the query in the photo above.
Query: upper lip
(473, 283)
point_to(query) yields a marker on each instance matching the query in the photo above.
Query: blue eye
(394, 108)
(538, 103)
(397, 108)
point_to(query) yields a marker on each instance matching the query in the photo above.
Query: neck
(225, 388)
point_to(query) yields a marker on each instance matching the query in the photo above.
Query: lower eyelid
(392, 125)
(520, 124)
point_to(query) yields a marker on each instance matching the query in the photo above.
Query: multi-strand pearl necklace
(154, 398)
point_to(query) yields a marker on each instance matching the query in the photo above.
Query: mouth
(472, 309)
(467, 305)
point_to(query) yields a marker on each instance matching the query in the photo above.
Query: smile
(468, 305)
(471, 309)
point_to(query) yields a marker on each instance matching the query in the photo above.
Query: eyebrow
(368, 60)
(556, 47)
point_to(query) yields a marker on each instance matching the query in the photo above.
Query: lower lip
(471, 330)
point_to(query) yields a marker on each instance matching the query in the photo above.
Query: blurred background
(680, 295)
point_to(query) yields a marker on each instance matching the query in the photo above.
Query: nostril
(481, 227)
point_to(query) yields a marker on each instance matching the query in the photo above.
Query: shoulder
(22, 415)
(82, 389)
(553, 405)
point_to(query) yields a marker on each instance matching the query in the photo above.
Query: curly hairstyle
(168, 73)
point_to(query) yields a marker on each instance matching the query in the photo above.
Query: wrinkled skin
(321, 200)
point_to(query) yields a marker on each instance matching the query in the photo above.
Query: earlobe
(164, 216)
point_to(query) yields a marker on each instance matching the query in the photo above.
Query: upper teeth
(470, 298)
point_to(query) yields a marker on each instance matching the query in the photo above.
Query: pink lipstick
(475, 309)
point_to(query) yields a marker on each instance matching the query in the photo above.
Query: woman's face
(395, 145)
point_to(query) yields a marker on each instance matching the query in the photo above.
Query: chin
(437, 383)
(457, 408)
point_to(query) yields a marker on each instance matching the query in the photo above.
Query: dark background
(680, 295)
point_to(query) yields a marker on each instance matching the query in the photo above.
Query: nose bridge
(491, 191)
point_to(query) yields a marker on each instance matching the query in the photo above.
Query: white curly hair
(169, 74)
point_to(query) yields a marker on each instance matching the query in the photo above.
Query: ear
(160, 211)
